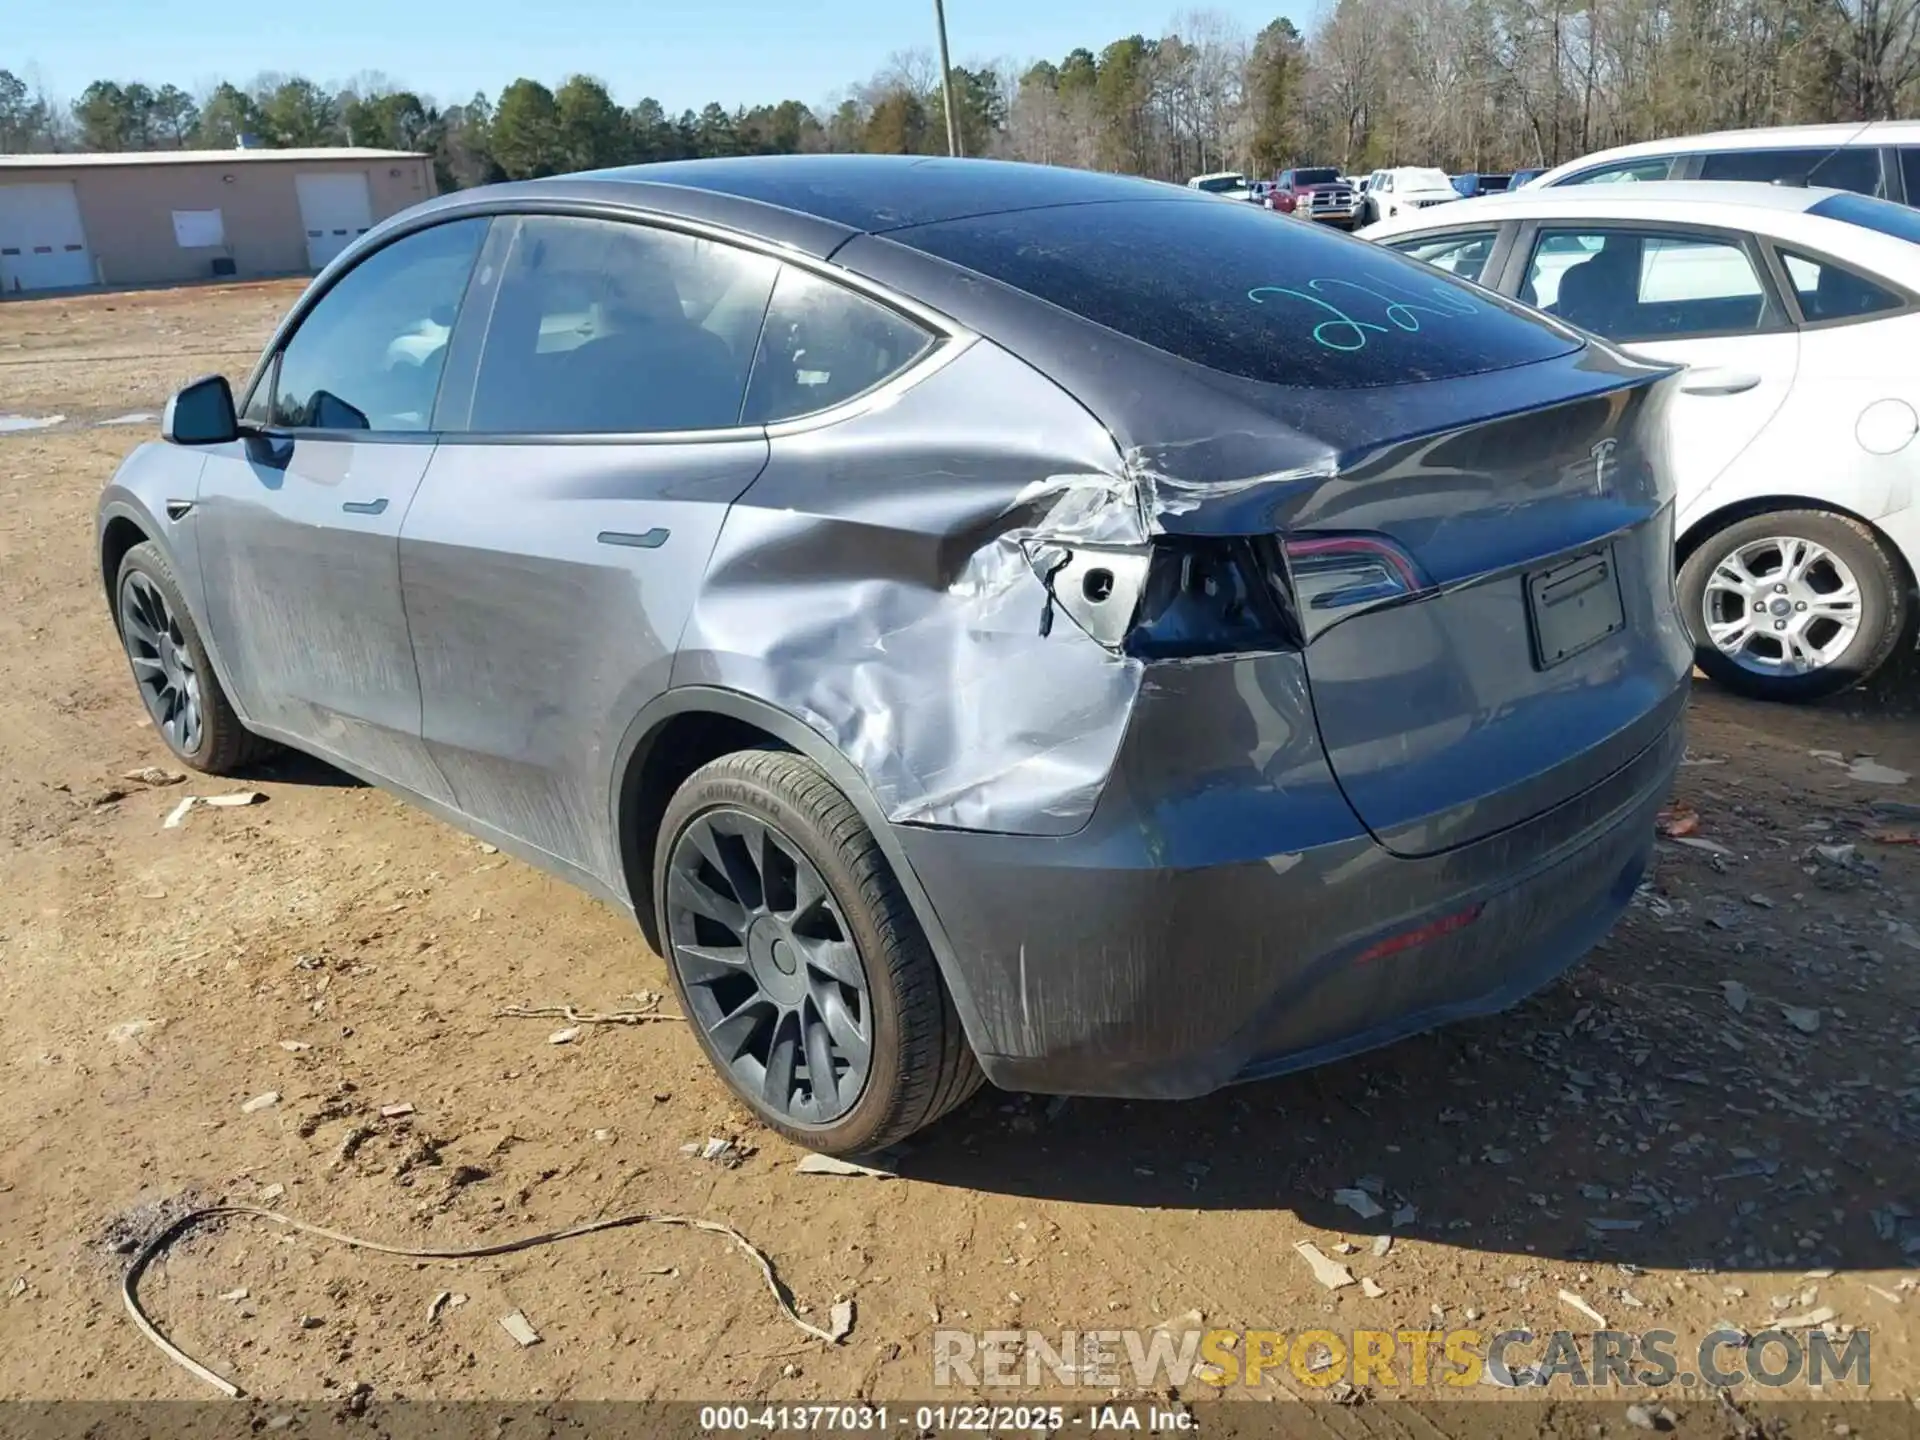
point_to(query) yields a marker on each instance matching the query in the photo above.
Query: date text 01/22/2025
(944, 1419)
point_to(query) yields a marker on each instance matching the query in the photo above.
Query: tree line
(1465, 84)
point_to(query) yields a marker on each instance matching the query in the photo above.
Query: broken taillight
(1197, 595)
(1206, 595)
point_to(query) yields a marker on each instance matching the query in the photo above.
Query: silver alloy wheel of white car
(1782, 605)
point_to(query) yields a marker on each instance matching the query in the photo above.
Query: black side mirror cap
(201, 414)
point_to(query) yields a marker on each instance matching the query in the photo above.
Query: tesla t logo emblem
(1602, 453)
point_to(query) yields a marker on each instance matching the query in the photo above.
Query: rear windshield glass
(1315, 177)
(1243, 291)
(1214, 184)
(1881, 215)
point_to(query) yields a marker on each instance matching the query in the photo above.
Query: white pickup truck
(1227, 184)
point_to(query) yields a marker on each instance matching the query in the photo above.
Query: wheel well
(659, 766)
(121, 535)
(1712, 524)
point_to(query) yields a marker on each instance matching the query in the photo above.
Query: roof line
(1025, 209)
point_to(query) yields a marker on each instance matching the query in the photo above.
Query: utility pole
(946, 78)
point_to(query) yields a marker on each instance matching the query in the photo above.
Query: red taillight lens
(1334, 575)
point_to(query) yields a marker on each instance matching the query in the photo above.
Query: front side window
(1631, 285)
(1224, 287)
(823, 345)
(602, 327)
(368, 355)
(1655, 169)
(1462, 255)
(1826, 291)
(1855, 168)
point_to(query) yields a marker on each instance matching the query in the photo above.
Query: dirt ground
(1711, 1119)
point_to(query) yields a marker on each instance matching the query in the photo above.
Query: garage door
(42, 244)
(335, 209)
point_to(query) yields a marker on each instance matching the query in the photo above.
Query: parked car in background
(1881, 159)
(1317, 193)
(1227, 184)
(1797, 313)
(1524, 177)
(1407, 188)
(764, 552)
(1260, 192)
(1473, 184)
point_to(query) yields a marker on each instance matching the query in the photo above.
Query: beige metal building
(158, 216)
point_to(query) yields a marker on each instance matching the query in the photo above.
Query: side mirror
(201, 414)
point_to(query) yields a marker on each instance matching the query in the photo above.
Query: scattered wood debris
(1329, 1272)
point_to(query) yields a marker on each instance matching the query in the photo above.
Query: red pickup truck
(1317, 193)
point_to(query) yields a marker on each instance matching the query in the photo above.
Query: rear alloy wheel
(170, 667)
(1793, 605)
(798, 961)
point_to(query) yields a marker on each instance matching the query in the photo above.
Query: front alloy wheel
(163, 665)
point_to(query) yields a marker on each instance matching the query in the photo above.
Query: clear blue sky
(684, 52)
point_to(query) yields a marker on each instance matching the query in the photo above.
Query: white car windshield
(1424, 180)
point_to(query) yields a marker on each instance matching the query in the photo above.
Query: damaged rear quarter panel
(876, 583)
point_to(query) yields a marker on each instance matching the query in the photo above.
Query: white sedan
(1797, 315)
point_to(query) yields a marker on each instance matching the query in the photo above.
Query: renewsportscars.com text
(1396, 1359)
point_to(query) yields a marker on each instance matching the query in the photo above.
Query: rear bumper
(1207, 925)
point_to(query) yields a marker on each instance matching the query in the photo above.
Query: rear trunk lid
(1537, 650)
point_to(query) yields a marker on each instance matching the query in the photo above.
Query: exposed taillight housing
(1208, 595)
(1230, 595)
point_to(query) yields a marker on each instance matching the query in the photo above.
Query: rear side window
(602, 327)
(1826, 291)
(1226, 287)
(1910, 172)
(823, 345)
(1631, 285)
(1856, 168)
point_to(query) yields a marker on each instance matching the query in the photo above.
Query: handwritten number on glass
(1347, 332)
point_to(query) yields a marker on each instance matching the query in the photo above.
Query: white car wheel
(1793, 604)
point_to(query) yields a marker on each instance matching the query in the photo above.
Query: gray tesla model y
(981, 619)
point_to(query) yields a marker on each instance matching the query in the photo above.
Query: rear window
(1231, 288)
(1880, 215)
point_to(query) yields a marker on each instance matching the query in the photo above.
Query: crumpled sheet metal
(883, 580)
(940, 689)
